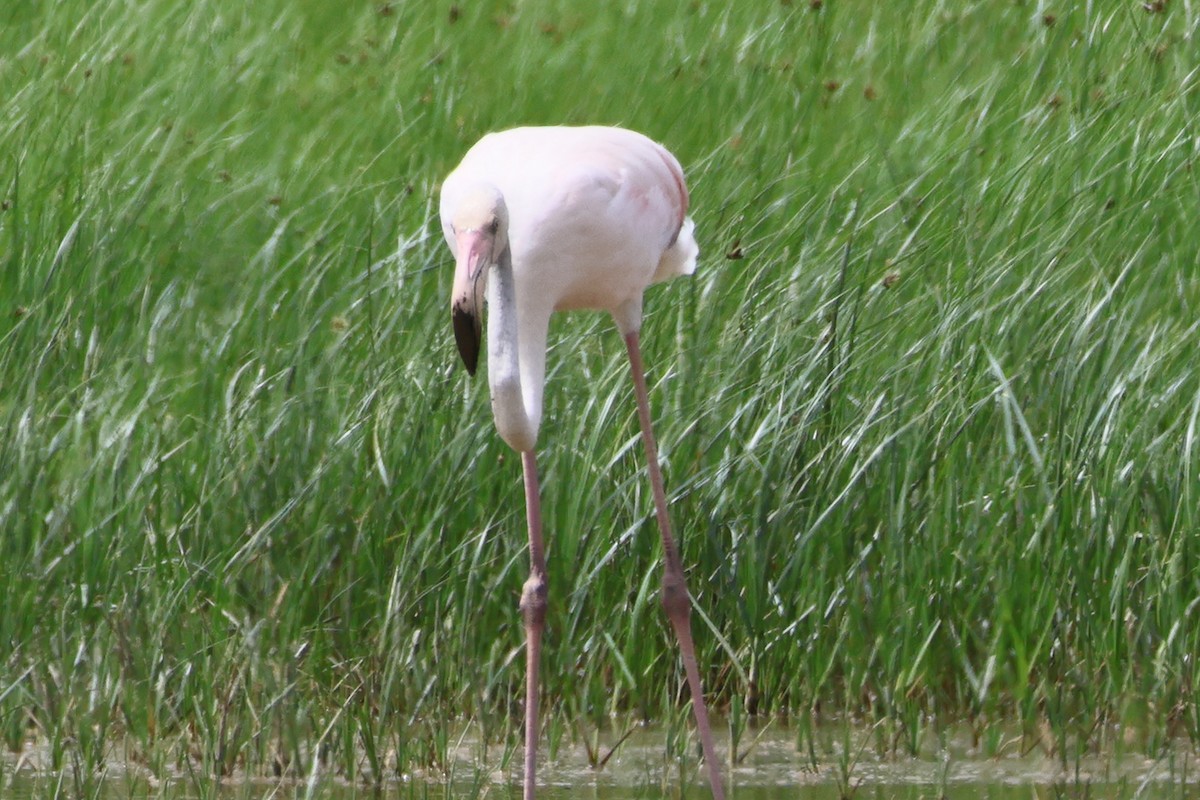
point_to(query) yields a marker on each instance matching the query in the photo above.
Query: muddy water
(839, 765)
(844, 765)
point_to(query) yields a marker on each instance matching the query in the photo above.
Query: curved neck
(516, 359)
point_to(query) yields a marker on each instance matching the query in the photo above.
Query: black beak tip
(467, 334)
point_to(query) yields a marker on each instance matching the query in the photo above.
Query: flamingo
(546, 219)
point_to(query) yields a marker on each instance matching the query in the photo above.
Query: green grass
(931, 441)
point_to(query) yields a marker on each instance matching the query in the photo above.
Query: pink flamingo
(550, 219)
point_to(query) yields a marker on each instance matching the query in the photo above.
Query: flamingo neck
(516, 361)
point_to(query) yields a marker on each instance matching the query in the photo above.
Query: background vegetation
(928, 409)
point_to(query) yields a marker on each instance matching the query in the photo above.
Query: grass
(928, 410)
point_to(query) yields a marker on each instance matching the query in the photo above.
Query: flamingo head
(480, 226)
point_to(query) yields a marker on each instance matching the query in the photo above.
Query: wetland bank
(927, 410)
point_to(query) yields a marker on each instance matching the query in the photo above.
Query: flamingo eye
(493, 226)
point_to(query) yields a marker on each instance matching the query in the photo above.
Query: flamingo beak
(474, 249)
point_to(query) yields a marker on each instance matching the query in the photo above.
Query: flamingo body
(596, 214)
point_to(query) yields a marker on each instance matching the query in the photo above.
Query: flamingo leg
(675, 599)
(533, 612)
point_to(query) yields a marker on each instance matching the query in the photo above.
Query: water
(846, 765)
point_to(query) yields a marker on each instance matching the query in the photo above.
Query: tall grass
(928, 410)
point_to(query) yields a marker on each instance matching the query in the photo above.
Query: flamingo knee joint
(533, 600)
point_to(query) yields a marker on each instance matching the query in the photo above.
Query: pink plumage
(596, 214)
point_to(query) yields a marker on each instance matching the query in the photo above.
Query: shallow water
(846, 765)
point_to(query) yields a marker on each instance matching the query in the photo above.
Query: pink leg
(533, 611)
(675, 595)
